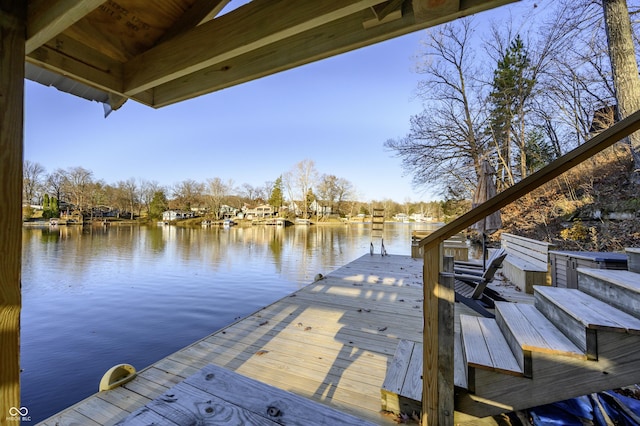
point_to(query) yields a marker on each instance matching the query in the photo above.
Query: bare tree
(188, 193)
(305, 177)
(56, 184)
(148, 189)
(129, 192)
(216, 191)
(445, 142)
(32, 181)
(288, 183)
(78, 181)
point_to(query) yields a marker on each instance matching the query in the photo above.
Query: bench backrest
(533, 251)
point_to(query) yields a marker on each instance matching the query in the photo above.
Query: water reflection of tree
(155, 240)
(276, 247)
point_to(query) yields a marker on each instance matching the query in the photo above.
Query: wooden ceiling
(164, 51)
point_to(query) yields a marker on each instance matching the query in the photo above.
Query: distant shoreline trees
(76, 188)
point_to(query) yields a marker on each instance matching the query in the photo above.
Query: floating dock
(330, 342)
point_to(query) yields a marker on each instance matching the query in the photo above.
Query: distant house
(199, 210)
(177, 214)
(228, 212)
(294, 206)
(401, 217)
(264, 210)
(322, 208)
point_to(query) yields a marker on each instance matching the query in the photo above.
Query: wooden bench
(527, 262)
(456, 246)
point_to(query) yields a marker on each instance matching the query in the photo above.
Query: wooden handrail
(438, 302)
(613, 134)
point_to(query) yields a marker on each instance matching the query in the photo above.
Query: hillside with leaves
(593, 207)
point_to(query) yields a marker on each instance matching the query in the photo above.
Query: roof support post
(438, 340)
(13, 15)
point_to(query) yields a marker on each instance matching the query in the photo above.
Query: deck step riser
(625, 299)
(634, 259)
(523, 358)
(583, 338)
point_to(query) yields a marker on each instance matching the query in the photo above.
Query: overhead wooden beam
(331, 39)
(66, 56)
(384, 9)
(199, 12)
(48, 18)
(13, 22)
(429, 9)
(250, 27)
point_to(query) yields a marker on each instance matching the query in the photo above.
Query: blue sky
(337, 112)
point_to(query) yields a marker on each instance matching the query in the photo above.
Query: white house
(176, 214)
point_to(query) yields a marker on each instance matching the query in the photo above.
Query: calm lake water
(95, 297)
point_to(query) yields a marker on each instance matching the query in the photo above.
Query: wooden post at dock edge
(438, 335)
(13, 15)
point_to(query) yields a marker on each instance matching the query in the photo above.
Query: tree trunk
(624, 68)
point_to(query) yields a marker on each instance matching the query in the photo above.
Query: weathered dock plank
(330, 342)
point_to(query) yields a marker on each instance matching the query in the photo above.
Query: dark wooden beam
(13, 23)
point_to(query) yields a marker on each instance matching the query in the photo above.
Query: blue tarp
(601, 409)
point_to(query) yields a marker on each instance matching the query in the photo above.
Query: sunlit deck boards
(331, 342)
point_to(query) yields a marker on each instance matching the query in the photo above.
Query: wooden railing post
(438, 308)
(12, 43)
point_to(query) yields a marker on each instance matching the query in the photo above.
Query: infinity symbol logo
(15, 412)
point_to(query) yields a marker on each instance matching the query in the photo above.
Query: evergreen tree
(513, 83)
(55, 207)
(158, 205)
(46, 207)
(276, 199)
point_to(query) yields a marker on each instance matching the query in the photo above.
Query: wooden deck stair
(571, 342)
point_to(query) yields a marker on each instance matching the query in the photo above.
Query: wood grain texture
(48, 18)
(12, 40)
(634, 259)
(616, 287)
(431, 333)
(217, 395)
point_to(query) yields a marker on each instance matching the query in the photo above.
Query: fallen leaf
(262, 352)
(307, 328)
(264, 323)
(382, 328)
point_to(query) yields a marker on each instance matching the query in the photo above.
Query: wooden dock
(331, 342)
